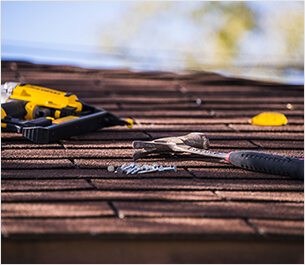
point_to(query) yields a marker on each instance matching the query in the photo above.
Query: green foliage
(221, 29)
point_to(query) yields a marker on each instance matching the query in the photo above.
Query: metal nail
(155, 165)
(143, 169)
(131, 169)
(161, 168)
(137, 169)
(123, 166)
(148, 170)
(120, 169)
(134, 168)
(110, 168)
(131, 165)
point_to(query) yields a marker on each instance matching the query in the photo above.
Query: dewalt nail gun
(45, 115)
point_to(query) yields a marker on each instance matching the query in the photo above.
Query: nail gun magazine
(45, 115)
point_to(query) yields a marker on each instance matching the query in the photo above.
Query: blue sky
(55, 31)
(58, 22)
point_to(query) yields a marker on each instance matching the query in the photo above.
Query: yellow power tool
(45, 115)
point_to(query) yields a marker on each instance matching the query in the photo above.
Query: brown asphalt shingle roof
(63, 191)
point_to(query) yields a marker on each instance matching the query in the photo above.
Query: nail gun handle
(268, 163)
(14, 108)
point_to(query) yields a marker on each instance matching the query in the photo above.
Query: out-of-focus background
(251, 39)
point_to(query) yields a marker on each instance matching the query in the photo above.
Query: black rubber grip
(267, 163)
(15, 108)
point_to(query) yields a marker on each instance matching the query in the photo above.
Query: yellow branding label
(64, 119)
(47, 90)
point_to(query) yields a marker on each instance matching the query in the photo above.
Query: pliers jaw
(149, 147)
(169, 144)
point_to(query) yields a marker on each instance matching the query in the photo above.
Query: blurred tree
(211, 34)
(236, 18)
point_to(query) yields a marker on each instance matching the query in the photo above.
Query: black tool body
(92, 121)
(45, 115)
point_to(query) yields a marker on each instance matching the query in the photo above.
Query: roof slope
(64, 189)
